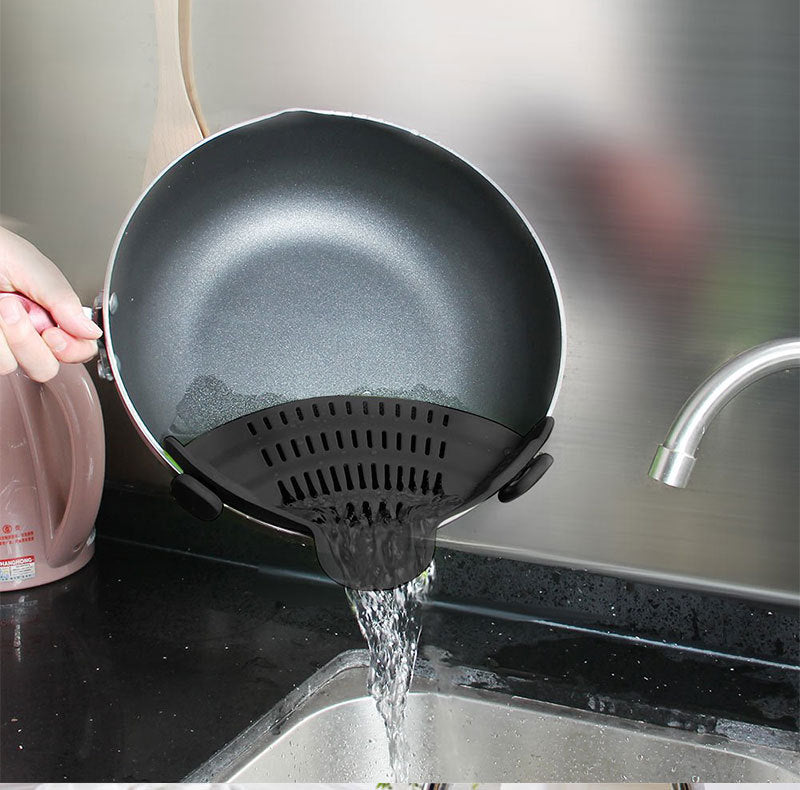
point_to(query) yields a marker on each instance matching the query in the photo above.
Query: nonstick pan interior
(309, 254)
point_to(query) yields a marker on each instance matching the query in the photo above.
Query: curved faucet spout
(674, 459)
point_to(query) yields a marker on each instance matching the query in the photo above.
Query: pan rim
(119, 384)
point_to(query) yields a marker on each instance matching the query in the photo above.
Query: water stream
(391, 621)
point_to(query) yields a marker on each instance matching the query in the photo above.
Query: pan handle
(178, 123)
(41, 320)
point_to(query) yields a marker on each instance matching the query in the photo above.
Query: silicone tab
(193, 496)
(526, 479)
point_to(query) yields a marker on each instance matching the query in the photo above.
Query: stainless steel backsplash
(654, 147)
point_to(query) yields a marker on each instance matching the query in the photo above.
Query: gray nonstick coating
(308, 254)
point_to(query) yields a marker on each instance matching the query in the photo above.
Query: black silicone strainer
(370, 478)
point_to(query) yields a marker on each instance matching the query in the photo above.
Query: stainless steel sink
(327, 730)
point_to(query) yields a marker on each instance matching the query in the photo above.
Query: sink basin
(328, 730)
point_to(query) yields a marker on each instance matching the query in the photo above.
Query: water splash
(390, 621)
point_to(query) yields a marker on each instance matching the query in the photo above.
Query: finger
(68, 314)
(67, 348)
(8, 362)
(27, 270)
(30, 351)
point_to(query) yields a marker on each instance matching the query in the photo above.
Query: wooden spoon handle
(178, 121)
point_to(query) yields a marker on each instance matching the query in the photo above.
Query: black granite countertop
(140, 666)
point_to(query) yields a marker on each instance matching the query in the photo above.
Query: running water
(391, 621)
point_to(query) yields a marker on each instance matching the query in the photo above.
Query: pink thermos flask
(52, 462)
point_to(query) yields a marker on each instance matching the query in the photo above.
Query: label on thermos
(17, 569)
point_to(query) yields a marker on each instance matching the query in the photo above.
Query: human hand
(24, 270)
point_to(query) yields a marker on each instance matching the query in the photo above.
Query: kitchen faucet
(675, 458)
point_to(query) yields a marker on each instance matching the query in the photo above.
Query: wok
(309, 276)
